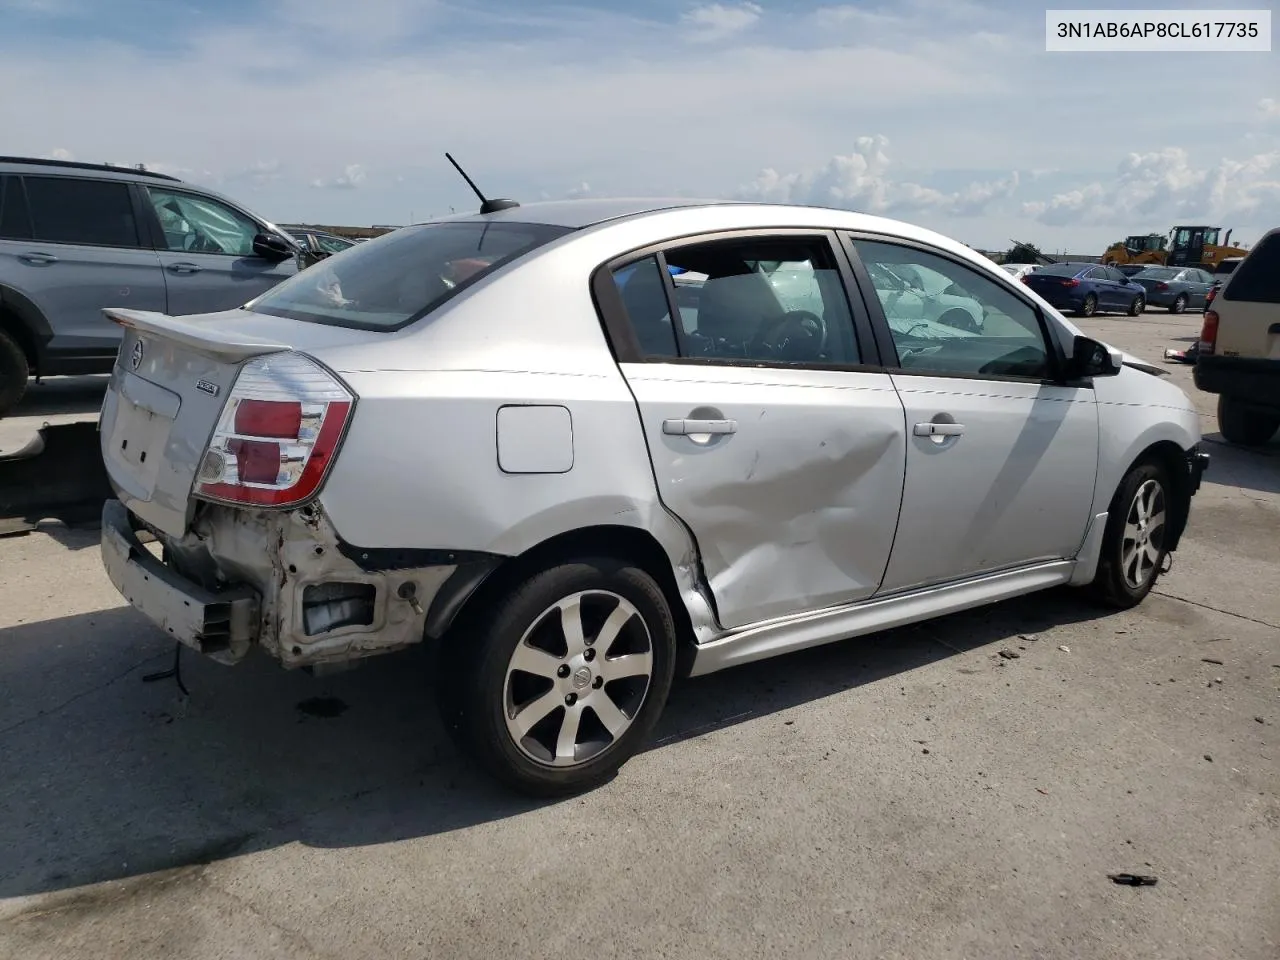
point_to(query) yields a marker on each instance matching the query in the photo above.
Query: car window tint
(332, 244)
(973, 326)
(644, 297)
(70, 210)
(15, 223)
(193, 224)
(1257, 276)
(770, 300)
(402, 276)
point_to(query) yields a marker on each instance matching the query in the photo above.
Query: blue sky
(947, 113)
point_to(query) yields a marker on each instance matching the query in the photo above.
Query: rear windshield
(1059, 270)
(1257, 279)
(1226, 267)
(392, 281)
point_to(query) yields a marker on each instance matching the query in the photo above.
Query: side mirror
(1089, 358)
(271, 247)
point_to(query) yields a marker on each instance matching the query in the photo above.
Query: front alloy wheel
(1134, 542)
(1142, 547)
(1090, 306)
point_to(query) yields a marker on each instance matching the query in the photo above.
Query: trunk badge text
(204, 386)
(135, 358)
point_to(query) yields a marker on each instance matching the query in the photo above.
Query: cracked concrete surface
(911, 795)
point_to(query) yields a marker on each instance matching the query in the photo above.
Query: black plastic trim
(455, 592)
(77, 165)
(378, 559)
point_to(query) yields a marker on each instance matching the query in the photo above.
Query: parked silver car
(487, 432)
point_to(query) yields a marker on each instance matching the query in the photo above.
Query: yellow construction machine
(1183, 247)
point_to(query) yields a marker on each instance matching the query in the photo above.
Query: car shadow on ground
(1248, 468)
(107, 777)
(63, 395)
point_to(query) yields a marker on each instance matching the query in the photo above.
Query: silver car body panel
(788, 532)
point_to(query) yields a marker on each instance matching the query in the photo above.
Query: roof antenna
(486, 205)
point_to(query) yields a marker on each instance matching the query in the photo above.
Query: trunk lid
(170, 381)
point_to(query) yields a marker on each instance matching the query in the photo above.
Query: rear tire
(14, 372)
(1089, 307)
(1243, 426)
(1179, 303)
(541, 704)
(1139, 304)
(1133, 549)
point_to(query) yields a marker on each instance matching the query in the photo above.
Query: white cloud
(861, 181)
(61, 153)
(1165, 186)
(1269, 107)
(717, 21)
(259, 173)
(351, 177)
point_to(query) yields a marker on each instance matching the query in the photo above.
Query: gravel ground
(914, 794)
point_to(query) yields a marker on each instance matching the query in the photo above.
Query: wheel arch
(24, 321)
(455, 608)
(1173, 459)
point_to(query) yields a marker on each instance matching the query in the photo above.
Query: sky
(945, 113)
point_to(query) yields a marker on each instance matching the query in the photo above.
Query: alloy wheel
(1142, 544)
(577, 679)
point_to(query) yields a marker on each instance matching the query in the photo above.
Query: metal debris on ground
(1133, 879)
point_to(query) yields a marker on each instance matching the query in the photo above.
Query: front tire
(1133, 545)
(565, 677)
(14, 372)
(1244, 426)
(1089, 307)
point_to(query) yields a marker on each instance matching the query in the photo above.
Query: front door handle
(184, 267)
(684, 428)
(37, 259)
(938, 429)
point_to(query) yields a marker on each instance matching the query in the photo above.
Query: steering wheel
(795, 335)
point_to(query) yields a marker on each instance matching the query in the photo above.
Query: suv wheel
(1133, 548)
(566, 679)
(14, 372)
(1245, 426)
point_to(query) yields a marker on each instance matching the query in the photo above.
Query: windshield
(390, 282)
(1156, 273)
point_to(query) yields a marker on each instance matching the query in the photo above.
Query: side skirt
(815, 628)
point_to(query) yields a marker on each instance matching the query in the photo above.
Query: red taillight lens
(1024, 278)
(1071, 282)
(1213, 292)
(1162, 285)
(1209, 332)
(277, 434)
(269, 418)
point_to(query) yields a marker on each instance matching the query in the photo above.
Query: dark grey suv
(77, 237)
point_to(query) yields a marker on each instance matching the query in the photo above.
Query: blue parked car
(1088, 288)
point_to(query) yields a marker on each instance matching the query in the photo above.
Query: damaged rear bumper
(209, 622)
(285, 582)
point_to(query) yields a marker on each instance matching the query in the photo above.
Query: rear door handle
(938, 429)
(37, 259)
(184, 268)
(683, 428)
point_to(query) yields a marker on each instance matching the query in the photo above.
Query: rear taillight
(1213, 292)
(1072, 282)
(1209, 332)
(1162, 285)
(277, 434)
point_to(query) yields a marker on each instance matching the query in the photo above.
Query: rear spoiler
(204, 337)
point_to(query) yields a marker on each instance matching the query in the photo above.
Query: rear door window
(1257, 278)
(74, 210)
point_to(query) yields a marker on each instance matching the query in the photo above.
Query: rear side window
(392, 281)
(15, 222)
(1257, 278)
(70, 210)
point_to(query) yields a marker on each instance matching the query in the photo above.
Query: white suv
(488, 433)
